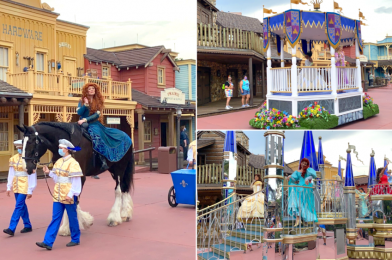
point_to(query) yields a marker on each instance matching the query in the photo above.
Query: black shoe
(72, 244)
(96, 177)
(43, 245)
(9, 232)
(325, 244)
(26, 230)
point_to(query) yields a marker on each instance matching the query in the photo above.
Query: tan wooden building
(43, 56)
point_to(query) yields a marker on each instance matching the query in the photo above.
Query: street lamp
(180, 161)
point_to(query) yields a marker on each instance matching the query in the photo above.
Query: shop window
(4, 137)
(147, 131)
(105, 71)
(40, 68)
(161, 76)
(3, 63)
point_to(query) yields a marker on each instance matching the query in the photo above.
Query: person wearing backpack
(245, 91)
(228, 86)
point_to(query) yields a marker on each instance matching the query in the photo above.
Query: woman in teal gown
(363, 208)
(301, 202)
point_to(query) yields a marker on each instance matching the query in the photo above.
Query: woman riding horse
(109, 143)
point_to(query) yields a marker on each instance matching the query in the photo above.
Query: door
(234, 78)
(40, 69)
(163, 134)
(70, 67)
(3, 63)
(203, 85)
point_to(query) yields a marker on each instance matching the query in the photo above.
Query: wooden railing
(212, 174)
(63, 85)
(215, 36)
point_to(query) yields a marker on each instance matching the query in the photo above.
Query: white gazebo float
(336, 88)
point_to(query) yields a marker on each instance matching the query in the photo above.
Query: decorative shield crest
(265, 34)
(359, 36)
(292, 25)
(333, 29)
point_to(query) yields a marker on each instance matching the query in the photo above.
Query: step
(209, 256)
(254, 227)
(241, 243)
(248, 234)
(223, 249)
(298, 230)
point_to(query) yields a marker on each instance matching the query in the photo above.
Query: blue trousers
(54, 226)
(20, 212)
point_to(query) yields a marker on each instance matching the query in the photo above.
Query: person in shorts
(228, 91)
(245, 91)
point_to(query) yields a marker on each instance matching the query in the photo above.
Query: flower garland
(314, 111)
(274, 119)
(368, 102)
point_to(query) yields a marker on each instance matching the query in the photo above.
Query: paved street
(240, 120)
(157, 231)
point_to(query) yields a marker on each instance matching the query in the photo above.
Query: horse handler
(66, 174)
(23, 186)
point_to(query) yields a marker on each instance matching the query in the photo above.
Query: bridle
(36, 158)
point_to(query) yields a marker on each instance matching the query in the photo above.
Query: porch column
(140, 132)
(30, 115)
(334, 81)
(294, 87)
(269, 76)
(250, 68)
(358, 76)
(281, 53)
(263, 81)
(21, 118)
(171, 129)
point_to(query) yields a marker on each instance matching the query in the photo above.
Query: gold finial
(320, 137)
(316, 4)
(372, 153)
(348, 149)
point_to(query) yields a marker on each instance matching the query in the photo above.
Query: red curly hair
(305, 168)
(97, 102)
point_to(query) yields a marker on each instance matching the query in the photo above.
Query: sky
(334, 143)
(148, 22)
(376, 12)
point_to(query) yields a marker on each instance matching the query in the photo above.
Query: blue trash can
(184, 182)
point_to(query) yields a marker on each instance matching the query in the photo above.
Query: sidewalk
(219, 107)
(240, 120)
(157, 231)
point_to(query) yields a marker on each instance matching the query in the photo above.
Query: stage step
(248, 234)
(241, 243)
(223, 249)
(209, 256)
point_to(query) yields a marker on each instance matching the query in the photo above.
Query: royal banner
(292, 26)
(333, 29)
(266, 34)
(359, 36)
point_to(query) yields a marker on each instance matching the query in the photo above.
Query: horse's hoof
(124, 219)
(128, 219)
(113, 224)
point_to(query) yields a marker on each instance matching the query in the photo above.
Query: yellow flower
(292, 121)
(318, 115)
(303, 116)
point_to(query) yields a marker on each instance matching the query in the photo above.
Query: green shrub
(368, 111)
(319, 123)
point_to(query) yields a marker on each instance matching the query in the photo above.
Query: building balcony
(214, 36)
(61, 85)
(384, 57)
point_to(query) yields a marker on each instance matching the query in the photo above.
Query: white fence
(314, 79)
(281, 80)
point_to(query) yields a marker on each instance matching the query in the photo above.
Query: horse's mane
(67, 127)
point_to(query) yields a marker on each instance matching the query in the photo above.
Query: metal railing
(212, 174)
(281, 80)
(330, 201)
(299, 210)
(346, 78)
(149, 150)
(236, 226)
(381, 190)
(314, 79)
(216, 36)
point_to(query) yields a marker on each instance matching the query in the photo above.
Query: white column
(294, 86)
(269, 74)
(334, 77)
(308, 45)
(281, 53)
(358, 70)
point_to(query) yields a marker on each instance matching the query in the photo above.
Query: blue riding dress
(110, 142)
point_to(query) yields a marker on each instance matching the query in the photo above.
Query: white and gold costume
(252, 206)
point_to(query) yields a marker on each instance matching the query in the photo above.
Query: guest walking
(184, 142)
(229, 91)
(245, 91)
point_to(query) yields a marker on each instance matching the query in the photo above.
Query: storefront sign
(65, 44)
(363, 58)
(22, 32)
(113, 121)
(173, 96)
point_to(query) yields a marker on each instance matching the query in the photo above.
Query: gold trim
(274, 133)
(274, 176)
(351, 229)
(342, 258)
(327, 90)
(299, 239)
(268, 58)
(313, 67)
(273, 166)
(228, 188)
(281, 68)
(273, 229)
(333, 221)
(273, 240)
(349, 188)
(364, 225)
(345, 89)
(381, 197)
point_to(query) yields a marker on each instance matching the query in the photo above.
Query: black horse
(46, 135)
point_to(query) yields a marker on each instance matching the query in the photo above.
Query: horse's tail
(127, 179)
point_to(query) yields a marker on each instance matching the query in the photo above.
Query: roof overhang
(228, 55)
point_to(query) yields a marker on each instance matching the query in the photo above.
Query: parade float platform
(156, 231)
(335, 87)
